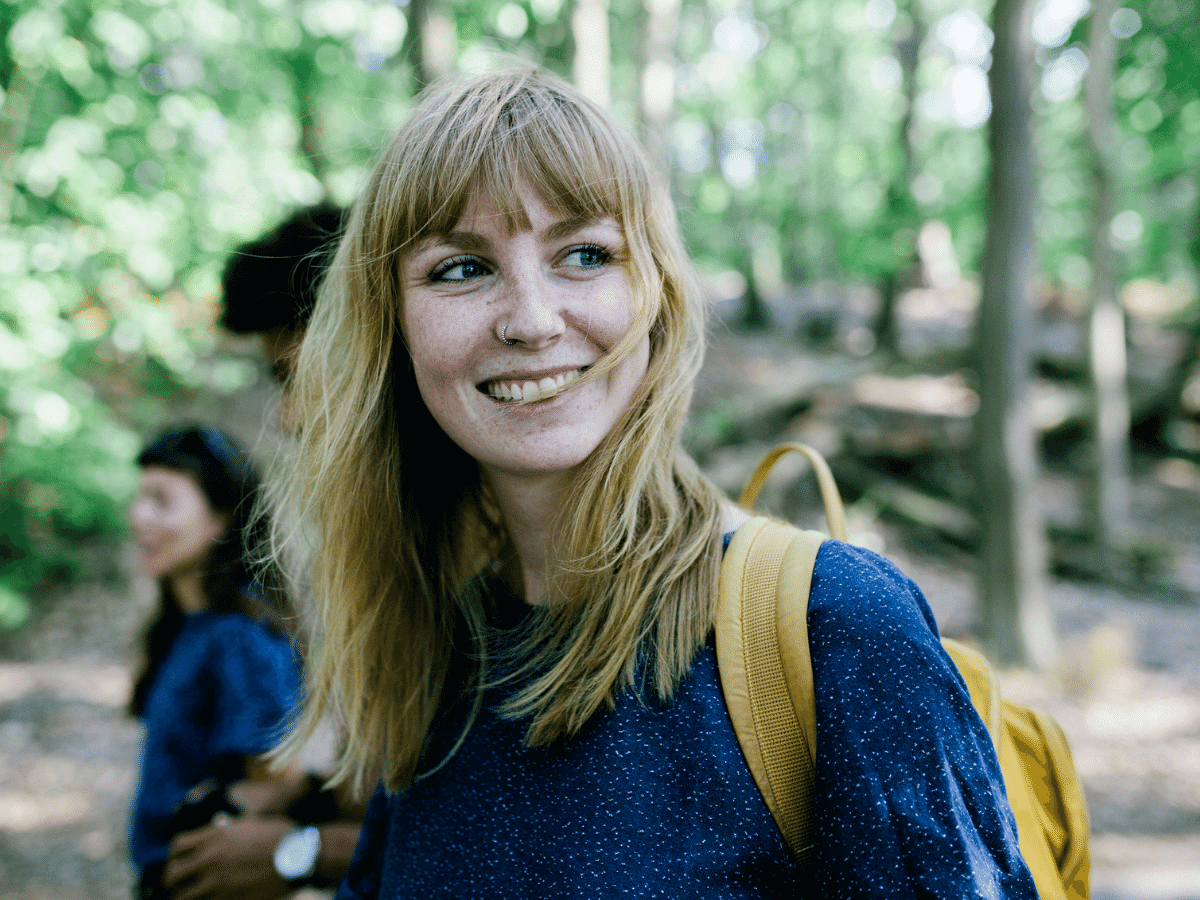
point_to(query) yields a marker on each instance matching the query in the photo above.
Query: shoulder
(859, 594)
(871, 629)
(238, 627)
(235, 635)
(909, 794)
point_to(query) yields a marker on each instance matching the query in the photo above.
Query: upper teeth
(531, 391)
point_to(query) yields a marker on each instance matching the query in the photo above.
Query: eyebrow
(569, 226)
(467, 241)
(470, 242)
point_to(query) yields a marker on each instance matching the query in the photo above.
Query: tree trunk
(1109, 488)
(658, 77)
(589, 27)
(432, 42)
(1016, 623)
(306, 86)
(902, 211)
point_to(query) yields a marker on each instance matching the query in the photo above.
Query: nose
(532, 314)
(139, 513)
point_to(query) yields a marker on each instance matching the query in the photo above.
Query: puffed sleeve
(257, 680)
(362, 881)
(909, 798)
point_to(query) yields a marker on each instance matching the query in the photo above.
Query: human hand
(266, 791)
(231, 859)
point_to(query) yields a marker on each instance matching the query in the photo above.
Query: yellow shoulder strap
(766, 670)
(831, 498)
(762, 649)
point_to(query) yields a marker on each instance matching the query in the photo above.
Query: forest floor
(1127, 691)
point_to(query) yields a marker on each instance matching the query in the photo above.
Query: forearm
(338, 842)
(267, 790)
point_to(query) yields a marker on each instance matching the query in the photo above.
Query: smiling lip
(530, 391)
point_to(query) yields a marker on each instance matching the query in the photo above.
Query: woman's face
(173, 523)
(491, 316)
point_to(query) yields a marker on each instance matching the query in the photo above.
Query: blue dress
(654, 799)
(225, 692)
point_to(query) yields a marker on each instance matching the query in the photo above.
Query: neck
(529, 506)
(188, 589)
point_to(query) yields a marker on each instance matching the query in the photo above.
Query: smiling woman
(516, 564)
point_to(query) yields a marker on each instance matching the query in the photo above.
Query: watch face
(296, 855)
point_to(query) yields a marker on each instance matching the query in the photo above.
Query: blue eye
(588, 257)
(461, 268)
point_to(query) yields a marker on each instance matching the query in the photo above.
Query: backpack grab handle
(835, 512)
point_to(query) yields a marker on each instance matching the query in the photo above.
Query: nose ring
(503, 339)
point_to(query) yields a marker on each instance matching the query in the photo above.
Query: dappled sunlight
(1148, 298)
(68, 754)
(105, 685)
(1179, 473)
(945, 395)
(30, 811)
(1138, 718)
(1134, 732)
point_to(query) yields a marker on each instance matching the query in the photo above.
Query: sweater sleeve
(257, 688)
(909, 797)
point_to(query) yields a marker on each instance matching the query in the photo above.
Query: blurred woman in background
(221, 674)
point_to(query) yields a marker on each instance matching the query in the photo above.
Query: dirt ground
(1127, 693)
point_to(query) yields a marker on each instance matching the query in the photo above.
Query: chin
(562, 463)
(152, 568)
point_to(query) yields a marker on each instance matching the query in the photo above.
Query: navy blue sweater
(655, 800)
(224, 694)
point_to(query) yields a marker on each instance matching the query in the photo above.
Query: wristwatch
(296, 855)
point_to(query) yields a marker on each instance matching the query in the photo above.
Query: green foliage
(140, 140)
(67, 473)
(790, 135)
(1157, 103)
(792, 129)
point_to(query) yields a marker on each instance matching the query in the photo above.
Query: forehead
(171, 481)
(510, 193)
(524, 209)
(484, 217)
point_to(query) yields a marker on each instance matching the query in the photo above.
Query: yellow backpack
(766, 676)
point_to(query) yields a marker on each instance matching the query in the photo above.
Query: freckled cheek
(610, 314)
(435, 373)
(437, 343)
(633, 371)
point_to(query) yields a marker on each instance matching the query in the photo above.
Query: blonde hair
(400, 517)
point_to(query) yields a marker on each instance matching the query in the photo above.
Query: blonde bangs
(490, 137)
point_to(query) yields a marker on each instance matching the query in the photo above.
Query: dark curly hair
(271, 282)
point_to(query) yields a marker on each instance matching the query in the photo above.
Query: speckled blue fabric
(224, 693)
(655, 800)
(909, 799)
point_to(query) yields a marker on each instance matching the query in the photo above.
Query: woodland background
(953, 244)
